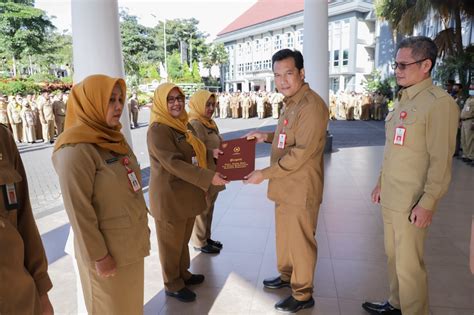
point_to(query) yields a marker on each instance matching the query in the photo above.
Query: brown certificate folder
(238, 159)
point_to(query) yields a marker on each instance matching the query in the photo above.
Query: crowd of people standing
(33, 118)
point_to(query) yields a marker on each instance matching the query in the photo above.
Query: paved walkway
(351, 260)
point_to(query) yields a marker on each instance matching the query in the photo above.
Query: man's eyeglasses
(402, 66)
(172, 99)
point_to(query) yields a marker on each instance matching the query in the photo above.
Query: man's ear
(302, 74)
(427, 64)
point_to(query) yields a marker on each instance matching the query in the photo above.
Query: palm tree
(404, 15)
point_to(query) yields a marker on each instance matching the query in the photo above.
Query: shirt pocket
(120, 222)
(9, 176)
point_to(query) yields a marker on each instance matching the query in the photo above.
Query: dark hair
(422, 47)
(288, 53)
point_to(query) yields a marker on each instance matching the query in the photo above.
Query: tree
(137, 42)
(403, 16)
(217, 56)
(22, 27)
(195, 73)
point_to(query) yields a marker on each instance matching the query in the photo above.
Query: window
(266, 45)
(345, 57)
(240, 70)
(239, 50)
(290, 43)
(336, 58)
(248, 67)
(258, 45)
(277, 43)
(248, 48)
(300, 37)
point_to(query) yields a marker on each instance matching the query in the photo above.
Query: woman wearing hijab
(202, 105)
(100, 183)
(179, 183)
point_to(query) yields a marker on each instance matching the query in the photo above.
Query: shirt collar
(295, 99)
(414, 90)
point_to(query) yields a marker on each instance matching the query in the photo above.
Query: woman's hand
(106, 267)
(260, 136)
(216, 153)
(219, 179)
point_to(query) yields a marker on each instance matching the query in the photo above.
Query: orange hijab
(197, 105)
(86, 113)
(160, 114)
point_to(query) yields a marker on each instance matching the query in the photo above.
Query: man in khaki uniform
(295, 179)
(46, 114)
(59, 111)
(14, 115)
(378, 106)
(350, 106)
(245, 105)
(224, 105)
(235, 105)
(416, 171)
(365, 108)
(24, 283)
(133, 111)
(275, 99)
(467, 132)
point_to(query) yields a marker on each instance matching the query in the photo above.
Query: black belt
(466, 119)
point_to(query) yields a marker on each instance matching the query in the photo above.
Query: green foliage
(461, 65)
(12, 87)
(175, 68)
(22, 27)
(375, 84)
(187, 75)
(196, 76)
(136, 43)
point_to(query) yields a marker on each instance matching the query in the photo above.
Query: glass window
(277, 43)
(300, 37)
(345, 57)
(258, 45)
(266, 45)
(289, 40)
(336, 58)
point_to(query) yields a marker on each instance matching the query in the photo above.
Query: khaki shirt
(4, 113)
(14, 112)
(296, 172)
(23, 264)
(46, 109)
(59, 109)
(212, 139)
(106, 215)
(468, 109)
(177, 187)
(419, 171)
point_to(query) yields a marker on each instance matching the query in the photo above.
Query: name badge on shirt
(10, 197)
(281, 140)
(134, 181)
(399, 138)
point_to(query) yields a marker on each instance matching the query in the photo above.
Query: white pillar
(315, 46)
(96, 43)
(245, 87)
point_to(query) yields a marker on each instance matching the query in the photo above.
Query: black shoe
(465, 159)
(291, 305)
(195, 279)
(208, 249)
(183, 295)
(275, 283)
(215, 243)
(383, 308)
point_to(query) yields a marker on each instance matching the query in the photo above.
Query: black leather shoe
(381, 308)
(275, 283)
(291, 305)
(208, 249)
(195, 279)
(183, 295)
(215, 243)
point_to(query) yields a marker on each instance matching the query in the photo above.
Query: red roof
(262, 11)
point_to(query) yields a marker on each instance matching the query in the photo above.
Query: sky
(213, 15)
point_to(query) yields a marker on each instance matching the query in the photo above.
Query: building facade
(269, 26)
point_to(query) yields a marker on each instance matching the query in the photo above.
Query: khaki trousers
(202, 225)
(173, 238)
(235, 112)
(48, 130)
(120, 294)
(404, 246)
(17, 130)
(245, 112)
(467, 139)
(296, 247)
